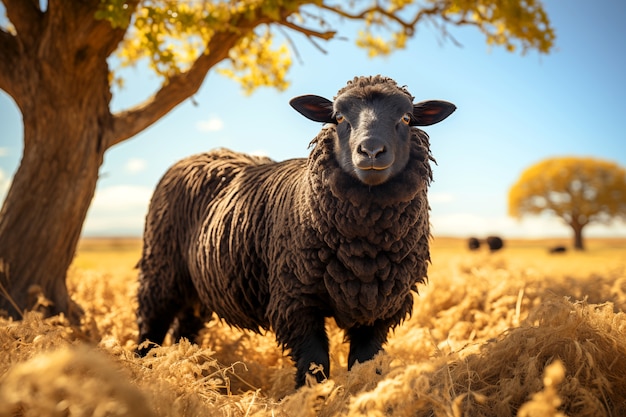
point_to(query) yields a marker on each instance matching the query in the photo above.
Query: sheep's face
(373, 135)
(374, 124)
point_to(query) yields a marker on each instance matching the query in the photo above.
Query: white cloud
(212, 124)
(118, 210)
(465, 225)
(5, 183)
(121, 197)
(135, 165)
(260, 152)
(4, 151)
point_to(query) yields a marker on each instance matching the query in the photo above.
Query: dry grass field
(518, 332)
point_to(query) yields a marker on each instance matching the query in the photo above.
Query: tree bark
(44, 210)
(578, 236)
(62, 90)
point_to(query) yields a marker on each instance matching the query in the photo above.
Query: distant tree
(54, 64)
(578, 190)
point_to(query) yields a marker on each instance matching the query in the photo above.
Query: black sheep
(283, 245)
(495, 243)
(557, 249)
(473, 243)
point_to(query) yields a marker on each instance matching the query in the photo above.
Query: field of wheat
(518, 332)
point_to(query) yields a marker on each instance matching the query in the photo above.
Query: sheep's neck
(373, 242)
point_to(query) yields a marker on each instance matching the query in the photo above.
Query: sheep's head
(373, 118)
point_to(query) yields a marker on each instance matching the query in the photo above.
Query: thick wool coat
(278, 246)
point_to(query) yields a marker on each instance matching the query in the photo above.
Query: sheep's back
(229, 243)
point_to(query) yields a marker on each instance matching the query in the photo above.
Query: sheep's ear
(315, 108)
(427, 113)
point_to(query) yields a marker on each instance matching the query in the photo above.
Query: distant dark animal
(557, 249)
(283, 245)
(495, 243)
(473, 243)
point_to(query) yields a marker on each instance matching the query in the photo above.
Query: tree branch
(462, 21)
(363, 14)
(101, 32)
(311, 35)
(22, 13)
(176, 90)
(437, 10)
(407, 25)
(9, 56)
(308, 32)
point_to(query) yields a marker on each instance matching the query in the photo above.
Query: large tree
(53, 63)
(578, 190)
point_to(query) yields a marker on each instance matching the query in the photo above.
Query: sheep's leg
(365, 343)
(190, 321)
(158, 306)
(153, 326)
(309, 345)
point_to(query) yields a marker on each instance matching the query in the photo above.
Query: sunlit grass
(479, 341)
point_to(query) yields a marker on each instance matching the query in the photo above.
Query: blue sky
(512, 111)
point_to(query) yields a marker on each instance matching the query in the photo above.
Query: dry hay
(487, 338)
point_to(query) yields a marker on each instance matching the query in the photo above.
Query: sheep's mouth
(373, 175)
(373, 167)
(372, 164)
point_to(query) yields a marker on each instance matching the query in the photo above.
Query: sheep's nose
(371, 153)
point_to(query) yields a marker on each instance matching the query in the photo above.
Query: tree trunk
(63, 95)
(42, 216)
(578, 236)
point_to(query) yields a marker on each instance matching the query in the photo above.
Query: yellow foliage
(577, 189)
(491, 335)
(253, 63)
(374, 45)
(171, 35)
(507, 23)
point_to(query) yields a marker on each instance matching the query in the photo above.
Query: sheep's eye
(406, 119)
(339, 117)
